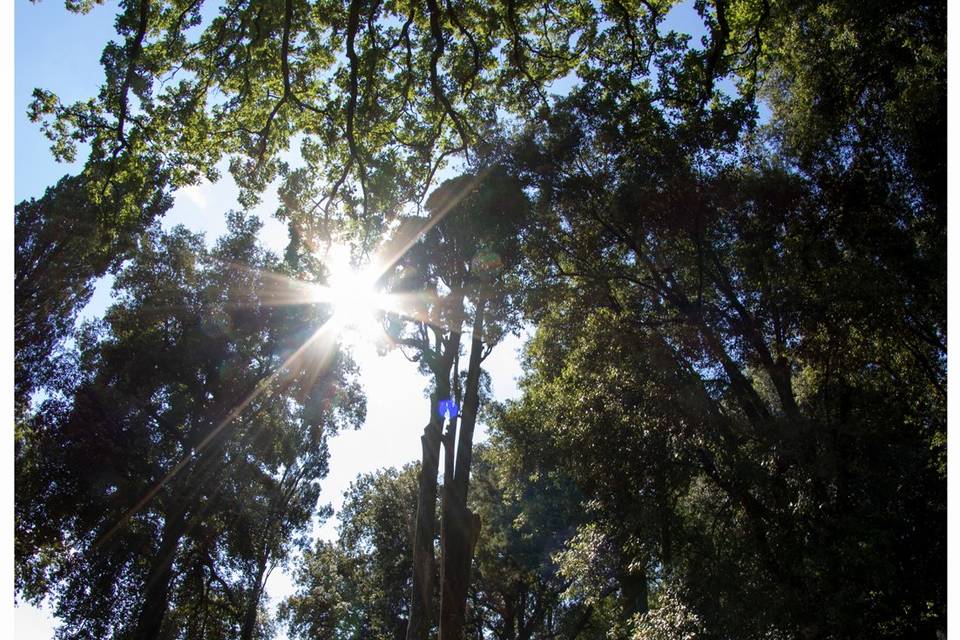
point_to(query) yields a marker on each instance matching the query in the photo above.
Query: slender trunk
(156, 598)
(634, 592)
(423, 560)
(510, 620)
(461, 530)
(471, 405)
(461, 527)
(250, 615)
(448, 537)
(253, 602)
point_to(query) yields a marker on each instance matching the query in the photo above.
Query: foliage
(733, 418)
(358, 585)
(63, 241)
(377, 93)
(707, 317)
(462, 257)
(518, 591)
(184, 443)
(671, 619)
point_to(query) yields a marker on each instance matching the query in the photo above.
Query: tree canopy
(730, 252)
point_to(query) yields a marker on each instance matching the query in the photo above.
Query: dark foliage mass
(63, 242)
(175, 462)
(730, 253)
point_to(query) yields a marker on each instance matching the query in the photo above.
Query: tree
(184, 450)
(517, 592)
(729, 317)
(457, 262)
(358, 585)
(752, 312)
(63, 242)
(431, 325)
(381, 93)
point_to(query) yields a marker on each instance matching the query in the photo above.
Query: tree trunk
(423, 561)
(471, 405)
(461, 530)
(634, 592)
(156, 598)
(250, 616)
(461, 527)
(253, 603)
(418, 627)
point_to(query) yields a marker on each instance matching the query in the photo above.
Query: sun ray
(261, 386)
(355, 301)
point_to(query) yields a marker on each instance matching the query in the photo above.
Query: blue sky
(60, 51)
(56, 50)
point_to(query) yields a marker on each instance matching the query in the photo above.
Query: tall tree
(184, 400)
(458, 261)
(430, 327)
(358, 585)
(728, 302)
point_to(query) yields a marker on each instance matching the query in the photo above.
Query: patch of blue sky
(683, 18)
(52, 50)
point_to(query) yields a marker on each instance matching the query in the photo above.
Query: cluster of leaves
(740, 351)
(63, 242)
(447, 267)
(358, 585)
(378, 95)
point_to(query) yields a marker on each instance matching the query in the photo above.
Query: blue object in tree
(448, 409)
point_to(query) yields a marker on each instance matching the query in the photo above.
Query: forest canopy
(729, 252)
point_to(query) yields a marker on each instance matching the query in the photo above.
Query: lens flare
(353, 295)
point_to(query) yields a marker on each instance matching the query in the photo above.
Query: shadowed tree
(63, 242)
(770, 330)
(517, 591)
(459, 261)
(183, 450)
(740, 357)
(358, 586)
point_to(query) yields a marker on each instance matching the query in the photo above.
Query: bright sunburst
(354, 297)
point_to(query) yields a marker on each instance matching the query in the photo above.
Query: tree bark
(156, 598)
(634, 592)
(253, 602)
(418, 626)
(423, 561)
(461, 527)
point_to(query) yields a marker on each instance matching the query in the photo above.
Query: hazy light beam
(259, 388)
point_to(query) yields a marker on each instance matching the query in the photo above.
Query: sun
(353, 296)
